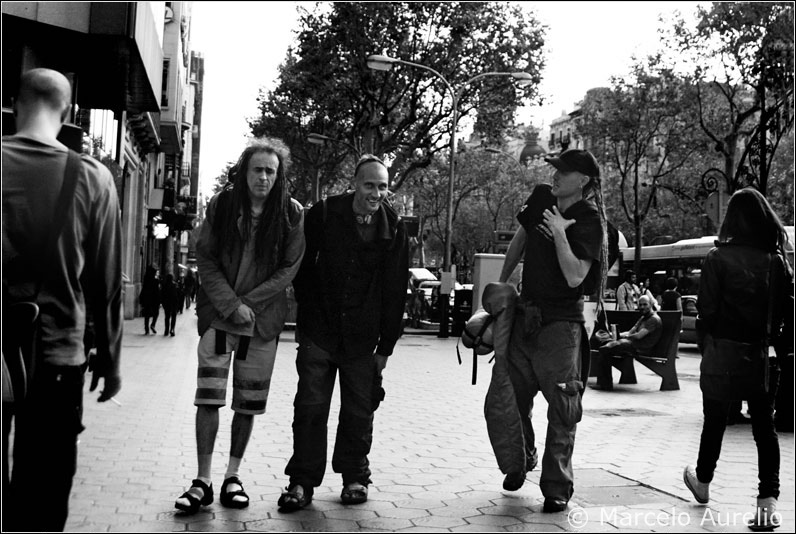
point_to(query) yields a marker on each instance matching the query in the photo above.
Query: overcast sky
(244, 42)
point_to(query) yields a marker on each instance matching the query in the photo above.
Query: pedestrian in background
(563, 240)
(170, 299)
(645, 288)
(628, 292)
(149, 299)
(189, 288)
(742, 295)
(81, 275)
(248, 248)
(670, 298)
(350, 290)
(180, 283)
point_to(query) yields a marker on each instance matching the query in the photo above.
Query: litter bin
(462, 309)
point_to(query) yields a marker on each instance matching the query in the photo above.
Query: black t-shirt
(543, 282)
(669, 300)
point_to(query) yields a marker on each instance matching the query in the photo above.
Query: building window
(164, 95)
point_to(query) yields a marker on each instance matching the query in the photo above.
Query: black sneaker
(513, 481)
(552, 505)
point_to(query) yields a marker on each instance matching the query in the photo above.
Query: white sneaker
(700, 490)
(766, 516)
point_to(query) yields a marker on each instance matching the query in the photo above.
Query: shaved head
(45, 87)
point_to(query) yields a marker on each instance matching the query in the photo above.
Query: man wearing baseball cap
(563, 240)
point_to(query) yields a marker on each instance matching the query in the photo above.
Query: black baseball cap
(578, 160)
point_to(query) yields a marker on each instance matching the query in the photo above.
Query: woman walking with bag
(742, 294)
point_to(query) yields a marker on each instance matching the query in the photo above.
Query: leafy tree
(221, 180)
(487, 195)
(781, 180)
(95, 147)
(642, 129)
(326, 87)
(747, 108)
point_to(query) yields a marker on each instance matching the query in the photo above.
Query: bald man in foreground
(350, 291)
(81, 273)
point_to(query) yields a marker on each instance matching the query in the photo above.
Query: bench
(662, 357)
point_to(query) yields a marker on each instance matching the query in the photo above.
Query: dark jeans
(150, 318)
(605, 369)
(45, 450)
(317, 369)
(545, 362)
(169, 320)
(761, 410)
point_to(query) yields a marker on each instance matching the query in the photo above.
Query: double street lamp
(320, 139)
(506, 155)
(523, 79)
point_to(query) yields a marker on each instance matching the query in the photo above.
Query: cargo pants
(549, 361)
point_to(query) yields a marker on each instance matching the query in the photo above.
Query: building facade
(115, 54)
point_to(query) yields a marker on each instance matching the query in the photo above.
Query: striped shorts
(251, 377)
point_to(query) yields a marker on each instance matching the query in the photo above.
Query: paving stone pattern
(433, 466)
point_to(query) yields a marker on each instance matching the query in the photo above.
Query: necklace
(363, 219)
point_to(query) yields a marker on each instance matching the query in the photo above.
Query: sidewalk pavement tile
(433, 466)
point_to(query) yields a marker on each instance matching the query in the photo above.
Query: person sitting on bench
(638, 341)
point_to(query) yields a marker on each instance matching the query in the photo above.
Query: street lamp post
(516, 162)
(385, 63)
(320, 139)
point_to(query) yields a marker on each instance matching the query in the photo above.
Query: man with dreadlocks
(248, 250)
(563, 241)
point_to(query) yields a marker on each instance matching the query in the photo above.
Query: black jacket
(351, 293)
(734, 293)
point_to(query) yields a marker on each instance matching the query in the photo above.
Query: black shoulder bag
(733, 370)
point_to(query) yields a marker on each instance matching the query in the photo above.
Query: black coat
(351, 293)
(170, 296)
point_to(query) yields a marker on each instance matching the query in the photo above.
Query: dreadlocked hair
(235, 201)
(593, 191)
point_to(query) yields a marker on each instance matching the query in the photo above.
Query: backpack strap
(477, 342)
(59, 220)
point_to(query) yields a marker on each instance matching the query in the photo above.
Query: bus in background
(681, 260)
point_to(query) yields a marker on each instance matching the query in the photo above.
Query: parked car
(688, 332)
(423, 301)
(431, 289)
(419, 274)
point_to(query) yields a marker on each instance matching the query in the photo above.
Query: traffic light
(412, 225)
